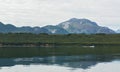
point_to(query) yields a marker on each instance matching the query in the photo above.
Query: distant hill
(73, 25)
(86, 26)
(9, 28)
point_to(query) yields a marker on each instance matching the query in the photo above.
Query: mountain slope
(6, 28)
(118, 31)
(9, 28)
(105, 30)
(55, 29)
(86, 26)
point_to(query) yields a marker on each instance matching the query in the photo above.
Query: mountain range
(74, 26)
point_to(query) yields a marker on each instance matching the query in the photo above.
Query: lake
(60, 59)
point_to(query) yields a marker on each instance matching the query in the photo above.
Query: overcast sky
(46, 12)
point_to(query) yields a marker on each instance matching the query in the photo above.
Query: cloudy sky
(45, 12)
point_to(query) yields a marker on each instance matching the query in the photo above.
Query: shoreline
(56, 44)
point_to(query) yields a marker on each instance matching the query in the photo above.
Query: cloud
(44, 12)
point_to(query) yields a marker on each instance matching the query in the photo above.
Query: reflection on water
(81, 63)
(68, 59)
(101, 67)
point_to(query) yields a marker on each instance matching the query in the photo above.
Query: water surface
(60, 59)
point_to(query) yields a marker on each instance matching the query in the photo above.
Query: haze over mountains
(74, 25)
(118, 31)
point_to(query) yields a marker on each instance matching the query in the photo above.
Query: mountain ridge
(83, 26)
(73, 25)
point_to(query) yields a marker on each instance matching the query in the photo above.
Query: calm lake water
(68, 59)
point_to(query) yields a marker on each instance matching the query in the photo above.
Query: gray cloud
(44, 12)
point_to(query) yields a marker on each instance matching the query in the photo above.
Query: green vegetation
(76, 39)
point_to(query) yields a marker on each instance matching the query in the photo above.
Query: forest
(29, 39)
